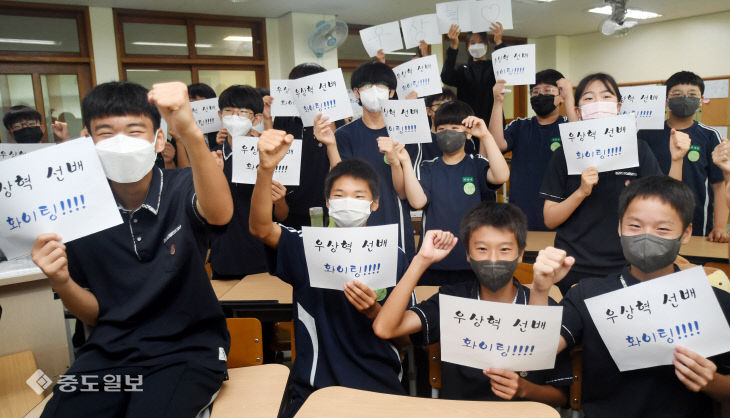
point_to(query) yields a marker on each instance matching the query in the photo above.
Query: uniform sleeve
(428, 313)
(572, 326)
(344, 143)
(715, 174)
(648, 164)
(511, 134)
(562, 374)
(287, 261)
(74, 264)
(556, 175)
(199, 223)
(425, 180)
(484, 185)
(450, 74)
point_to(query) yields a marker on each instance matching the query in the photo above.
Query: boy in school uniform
(240, 109)
(159, 330)
(451, 184)
(532, 141)
(24, 126)
(495, 236)
(655, 219)
(335, 343)
(690, 143)
(434, 101)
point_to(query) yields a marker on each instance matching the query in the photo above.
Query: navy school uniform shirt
(607, 392)
(156, 304)
(336, 345)
(451, 191)
(698, 170)
(469, 383)
(532, 146)
(590, 234)
(237, 252)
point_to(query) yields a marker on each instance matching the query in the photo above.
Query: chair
(283, 338)
(434, 369)
(16, 397)
(246, 347)
(576, 392)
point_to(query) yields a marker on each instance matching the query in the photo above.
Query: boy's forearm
(391, 315)
(260, 218)
(557, 213)
(675, 169)
(498, 172)
(543, 393)
(396, 173)
(414, 192)
(496, 129)
(281, 210)
(333, 154)
(182, 155)
(721, 209)
(79, 301)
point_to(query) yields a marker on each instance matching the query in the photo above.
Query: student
(240, 109)
(690, 144)
(202, 91)
(451, 184)
(335, 343)
(533, 140)
(367, 138)
(24, 126)
(142, 284)
(315, 164)
(576, 205)
(655, 219)
(495, 235)
(475, 79)
(434, 101)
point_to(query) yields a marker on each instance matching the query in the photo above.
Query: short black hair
(305, 69)
(452, 113)
(241, 97)
(118, 98)
(685, 77)
(20, 113)
(263, 91)
(604, 78)
(373, 72)
(356, 168)
(446, 95)
(670, 191)
(498, 215)
(201, 90)
(548, 76)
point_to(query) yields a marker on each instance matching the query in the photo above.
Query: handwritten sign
(283, 104)
(646, 103)
(61, 189)
(385, 37)
(355, 104)
(246, 162)
(606, 143)
(641, 324)
(323, 93)
(206, 115)
(420, 75)
(474, 16)
(407, 121)
(483, 334)
(420, 28)
(10, 150)
(716, 89)
(336, 256)
(515, 64)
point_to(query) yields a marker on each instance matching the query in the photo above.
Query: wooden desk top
(259, 287)
(254, 391)
(337, 401)
(16, 397)
(425, 292)
(221, 287)
(701, 247)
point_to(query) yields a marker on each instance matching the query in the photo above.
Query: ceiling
(531, 19)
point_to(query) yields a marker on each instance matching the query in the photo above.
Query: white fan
(327, 36)
(616, 25)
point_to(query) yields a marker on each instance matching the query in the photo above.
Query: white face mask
(237, 125)
(349, 212)
(597, 110)
(371, 98)
(126, 159)
(477, 50)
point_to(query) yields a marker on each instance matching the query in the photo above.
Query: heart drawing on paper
(491, 13)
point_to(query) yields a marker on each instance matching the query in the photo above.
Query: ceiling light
(28, 41)
(234, 38)
(630, 13)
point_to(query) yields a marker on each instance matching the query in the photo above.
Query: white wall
(104, 44)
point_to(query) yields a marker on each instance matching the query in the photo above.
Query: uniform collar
(226, 150)
(627, 279)
(154, 194)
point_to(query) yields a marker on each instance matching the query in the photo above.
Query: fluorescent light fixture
(630, 13)
(400, 53)
(174, 44)
(141, 70)
(543, 1)
(27, 41)
(234, 38)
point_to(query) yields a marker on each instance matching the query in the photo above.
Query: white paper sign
(483, 334)
(164, 127)
(336, 256)
(647, 103)
(385, 37)
(606, 143)
(9, 150)
(474, 16)
(515, 64)
(641, 324)
(246, 161)
(354, 103)
(206, 115)
(61, 189)
(420, 28)
(323, 93)
(407, 121)
(421, 75)
(716, 89)
(283, 104)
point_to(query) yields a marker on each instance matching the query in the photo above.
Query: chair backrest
(524, 273)
(246, 346)
(16, 397)
(576, 359)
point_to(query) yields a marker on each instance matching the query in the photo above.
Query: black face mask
(450, 141)
(29, 135)
(684, 106)
(543, 104)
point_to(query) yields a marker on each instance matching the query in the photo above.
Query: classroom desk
(536, 241)
(221, 287)
(337, 401)
(254, 391)
(425, 292)
(261, 296)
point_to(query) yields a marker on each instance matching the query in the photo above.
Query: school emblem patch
(694, 153)
(555, 143)
(381, 294)
(385, 159)
(469, 187)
